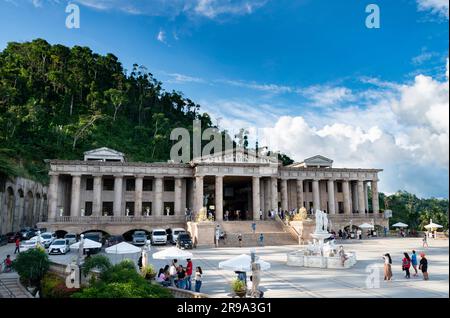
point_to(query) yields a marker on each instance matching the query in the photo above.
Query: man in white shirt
(173, 272)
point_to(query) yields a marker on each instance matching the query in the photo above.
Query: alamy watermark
(373, 19)
(73, 19)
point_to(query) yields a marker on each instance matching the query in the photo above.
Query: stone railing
(289, 229)
(183, 293)
(118, 219)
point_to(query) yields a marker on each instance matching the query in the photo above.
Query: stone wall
(23, 202)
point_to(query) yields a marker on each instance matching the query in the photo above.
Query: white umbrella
(172, 253)
(400, 224)
(366, 226)
(433, 226)
(87, 244)
(123, 248)
(242, 263)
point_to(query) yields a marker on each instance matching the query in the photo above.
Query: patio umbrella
(123, 248)
(87, 244)
(400, 224)
(172, 253)
(365, 226)
(242, 263)
(432, 226)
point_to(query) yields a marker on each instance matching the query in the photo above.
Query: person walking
(387, 267)
(240, 239)
(17, 250)
(260, 215)
(342, 255)
(406, 264)
(198, 279)
(261, 239)
(189, 268)
(425, 240)
(414, 262)
(423, 266)
(253, 227)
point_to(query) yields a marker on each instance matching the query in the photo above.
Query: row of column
(266, 194)
(75, 202)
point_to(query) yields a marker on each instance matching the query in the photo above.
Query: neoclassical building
(106, 190)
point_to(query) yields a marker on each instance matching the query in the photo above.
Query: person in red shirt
(8, 263)
(17, 250)
(189, 274)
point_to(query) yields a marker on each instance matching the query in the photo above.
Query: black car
(28, 234)
(113, 240)
(184, 241)
(13, 236)
(3, 240)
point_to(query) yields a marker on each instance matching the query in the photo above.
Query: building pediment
(315, 161)
(104, 154)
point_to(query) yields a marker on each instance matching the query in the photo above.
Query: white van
(159, 236)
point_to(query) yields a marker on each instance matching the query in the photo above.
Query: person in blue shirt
(385, 231)
(414, 262)
(253, 227)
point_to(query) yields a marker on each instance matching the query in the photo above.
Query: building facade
(107, 190)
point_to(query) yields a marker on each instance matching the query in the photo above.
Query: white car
(59, 246)
(27, 245)
(175, 233)
(71, 237)
(159, 236)
(47, 238)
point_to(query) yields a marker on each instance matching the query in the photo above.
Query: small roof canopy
(87, 244)
(172, 253)
(433, 226)
(366, 226)
(123, 248)
(242, 263)
(399, 224)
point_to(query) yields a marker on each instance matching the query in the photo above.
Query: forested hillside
(57, 102)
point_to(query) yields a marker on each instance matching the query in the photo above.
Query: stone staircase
(10, 287)
(274, 234)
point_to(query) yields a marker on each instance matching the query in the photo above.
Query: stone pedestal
(202, 233)
(305, 228)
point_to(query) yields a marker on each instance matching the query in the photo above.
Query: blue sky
(305, 77)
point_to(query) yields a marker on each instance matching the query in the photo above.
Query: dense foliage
(54, 286)
(123, 281)
(32, 265)
(98, 262)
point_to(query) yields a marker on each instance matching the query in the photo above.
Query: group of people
(407, 262)
(177, 275)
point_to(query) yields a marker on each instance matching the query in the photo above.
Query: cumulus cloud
(439, 7)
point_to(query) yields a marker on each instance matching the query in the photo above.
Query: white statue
(325, 222)
(319, 221)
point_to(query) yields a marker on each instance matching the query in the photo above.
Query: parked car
(113, 240)
(28, 244)
(59, 246)
(140, 237)
(159, 236)
(184, 241)
(28, 233)
(175, 233)
(47, 238)
(3, 240)
(13, 236)
(71, 237)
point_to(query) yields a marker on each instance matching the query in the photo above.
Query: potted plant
(148, 272)
(239, 288)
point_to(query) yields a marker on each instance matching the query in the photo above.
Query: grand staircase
(10, 287)
(273, 231)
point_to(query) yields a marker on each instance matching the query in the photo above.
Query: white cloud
(214, 8)
(439, 7)
(161, 37)
(324, 95)
(176, 78)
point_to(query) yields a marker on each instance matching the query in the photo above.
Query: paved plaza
(291, 282)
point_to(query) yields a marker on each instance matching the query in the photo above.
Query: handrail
(11, 294)
(291, 230)
(117, 219)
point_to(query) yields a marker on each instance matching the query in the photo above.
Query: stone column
(138, 183)
(274, 193)
(158, 206)
(346, 193)
(316, 194)
(331, 206)
(118, 185)
(219, 198)
(300, 195)
(284, 195)
(354, 190)
(255, 197)
(375, 199)
(361, 199)
(262, 196)
(53, 195)
(366, 197)
(75, 197)
(267, 198)
(97, 199)
(177, 196)
(198, 199)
